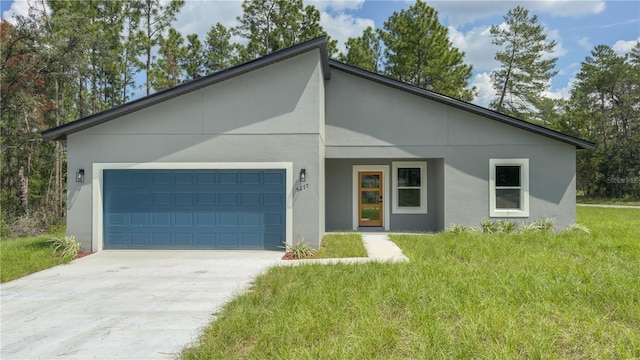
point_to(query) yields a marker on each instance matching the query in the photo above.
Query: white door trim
(97, 241)
(385, 193)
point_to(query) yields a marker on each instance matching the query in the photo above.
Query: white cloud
(22, 8)
(464, 12)
(343, 26)
(197, 17)
(559, 50)
(560, 8)
(335, 5)
(486, 92)
(624, 46)
(476, 43)
(561, 93)
(585, 43)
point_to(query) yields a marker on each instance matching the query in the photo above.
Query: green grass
(341, 246)
(23, 256)
(629, 201)
(523, 296)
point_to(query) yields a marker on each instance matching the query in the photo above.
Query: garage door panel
(161, 199)
(228, 240)
(139, 219)
(161, 219)
(228, 178)
(251, 199)
(273, 199)
(115, 220)
(184, 239)
(194, 209)
(183, 177)
(206, 240)
(140, 239)
(251, 220)
(228, 199)
(118, 239)
(250, 240)
(206, 219)
(159, 240)
(228, 219)
(206, 199)
(183, 219)
(206, 178)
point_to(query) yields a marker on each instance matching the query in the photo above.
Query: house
(294, 144)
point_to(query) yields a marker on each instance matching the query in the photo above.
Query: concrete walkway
(135, 304)
(611, 206)
(379, 248)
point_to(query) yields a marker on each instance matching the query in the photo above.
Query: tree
(605, 107)
(363, 51)
(219, 53)
(167, 71)
(418, 51)
(193, 61)
(156, 17)
(524, 74)
(271, 25)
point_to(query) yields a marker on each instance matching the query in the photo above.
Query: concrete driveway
(122, 304)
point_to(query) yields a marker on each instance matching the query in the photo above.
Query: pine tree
(219, 53)
(363, 51)
(605, 106)
(419, 52)
(193, 62)
(166, 72)
(156, 17)
(524, 74)
(272, 25)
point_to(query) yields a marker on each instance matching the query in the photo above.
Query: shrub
(301, 250)
(509, 227)
(460, 229)
(578, 228)
(67, 247)
(491, 226)
(543, 225)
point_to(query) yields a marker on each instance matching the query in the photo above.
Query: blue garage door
(194, 209)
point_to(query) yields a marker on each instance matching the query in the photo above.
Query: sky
(576, 26)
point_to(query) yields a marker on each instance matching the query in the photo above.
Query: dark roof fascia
(320, 43)
(541, 130)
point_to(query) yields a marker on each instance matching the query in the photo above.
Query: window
(509, 187)
(409, 187)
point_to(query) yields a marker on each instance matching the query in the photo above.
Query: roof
(478, 110)
(61, 132)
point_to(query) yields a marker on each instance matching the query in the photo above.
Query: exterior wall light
(303, 175)
(80, 175)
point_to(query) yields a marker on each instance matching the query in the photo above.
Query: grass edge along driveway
(461, 296)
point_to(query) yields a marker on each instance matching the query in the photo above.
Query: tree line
(70, 59)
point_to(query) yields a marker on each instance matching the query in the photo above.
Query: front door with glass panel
(370, 198)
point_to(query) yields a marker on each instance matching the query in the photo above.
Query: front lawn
(572, 295)
(23, 256)
(341, 246)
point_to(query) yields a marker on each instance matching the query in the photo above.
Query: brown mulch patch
(289, 256)
(83, 254)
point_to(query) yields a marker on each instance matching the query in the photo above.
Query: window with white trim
(409, 184)
(509, 187)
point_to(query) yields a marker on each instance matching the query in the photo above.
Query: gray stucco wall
(340, 197)
(267, 115)
(367, 120)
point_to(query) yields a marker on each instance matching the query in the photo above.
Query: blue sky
(577, 26)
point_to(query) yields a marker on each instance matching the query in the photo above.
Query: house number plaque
(302, 187)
